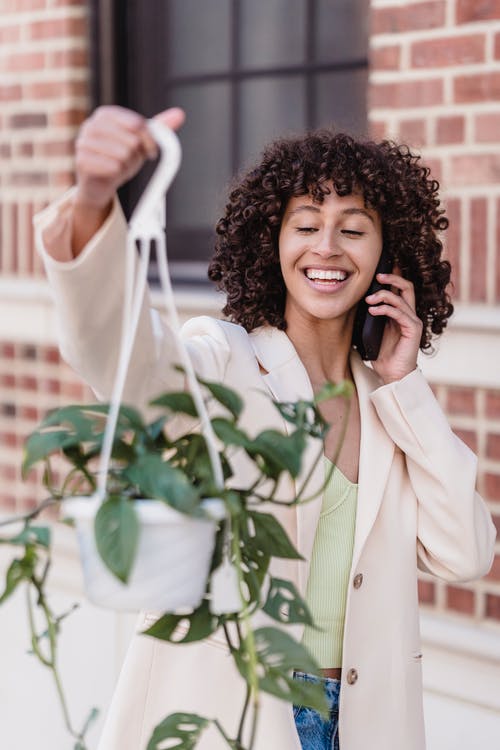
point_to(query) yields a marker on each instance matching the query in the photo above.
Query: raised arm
(82, 238)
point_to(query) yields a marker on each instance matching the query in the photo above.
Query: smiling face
(328, 255)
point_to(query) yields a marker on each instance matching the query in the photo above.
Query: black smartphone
(369, 329)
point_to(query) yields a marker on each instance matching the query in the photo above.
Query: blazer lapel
(375, 457)
(287, 379)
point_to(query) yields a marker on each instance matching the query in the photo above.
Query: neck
(323, 347)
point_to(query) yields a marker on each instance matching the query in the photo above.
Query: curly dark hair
(392, 181)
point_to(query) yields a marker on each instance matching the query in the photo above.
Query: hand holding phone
(369, 329)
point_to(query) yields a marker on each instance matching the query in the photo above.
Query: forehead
(352, 204)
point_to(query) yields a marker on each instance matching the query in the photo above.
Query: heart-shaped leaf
(117, 535)
(285, 604)
(183, 731)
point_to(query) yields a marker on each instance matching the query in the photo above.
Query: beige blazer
(416, 506)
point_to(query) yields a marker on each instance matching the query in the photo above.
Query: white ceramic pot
(172, 563)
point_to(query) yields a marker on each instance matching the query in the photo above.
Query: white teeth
(319, 273)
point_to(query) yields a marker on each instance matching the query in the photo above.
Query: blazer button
(358, 580)
(352, 676)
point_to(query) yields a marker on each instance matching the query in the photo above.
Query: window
(246, 71)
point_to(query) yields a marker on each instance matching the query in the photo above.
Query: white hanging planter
(174, 550)
(172, 561)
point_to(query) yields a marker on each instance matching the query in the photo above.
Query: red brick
(10, 92)
(436, 167)
(7, 380)
(68, 58)
(50, 385)
(28, 120)
(385, 58)
(452, 246)
(407, 94)
(9, 33)
(493, 606)
(477, 169)
(496, 521)
(438, 53)
(479, 87)
(5, 150)
(492, 486)
(68, 117)
(25, 61)
(497, 46)
(426, 592)
(411, 17)
(8, 472)
(56, 148)
(412, 132)
(29, 179)
(51, 354)
(477, 10)
(378, 129)
(8, 351)
(9, 439)
(29, 412)
(461, 401)
(498, 253)
(493, 446)
(450, 129)
(494, 574)
(73, 390)
(469, 437)
(493, 404)
(24, 149)
(460, 600)
(488, 128)
(478, 242)
(57, 27)
(28, 382)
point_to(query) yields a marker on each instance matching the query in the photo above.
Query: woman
(296, 252)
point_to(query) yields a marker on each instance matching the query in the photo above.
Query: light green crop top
(329, 570)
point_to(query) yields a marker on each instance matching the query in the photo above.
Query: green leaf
(30, 535)
(117, 535)
(155, 478)
(180, 402)
(229, 433)
(183, 731)
(343, 389)
(280, 452)
(200, 624)
(18, 571)
(285, 604)
(225, 396)
(42, 444)
(271, 537)
(278, 655)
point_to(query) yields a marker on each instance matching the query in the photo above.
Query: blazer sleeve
(456, 535)
(88, 293)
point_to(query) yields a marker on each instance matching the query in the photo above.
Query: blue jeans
(315, 732)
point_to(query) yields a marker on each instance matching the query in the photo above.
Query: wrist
(88, 217)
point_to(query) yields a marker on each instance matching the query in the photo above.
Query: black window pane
(341, 100)
(198, 36)
(270, 107)
(341, 30)
(197, 196)
(272, 33)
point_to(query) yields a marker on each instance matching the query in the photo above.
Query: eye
(352, 233)
(306, 230)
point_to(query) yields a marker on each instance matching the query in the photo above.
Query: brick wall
(435, 84)
(44, 95)
(435, 79)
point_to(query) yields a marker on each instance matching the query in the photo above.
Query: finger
(390, 298)
(115, 148)
(407, 323)
(404, 286)
(109, 131)
(173, 118)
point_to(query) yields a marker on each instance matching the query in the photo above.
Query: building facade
(426, 72)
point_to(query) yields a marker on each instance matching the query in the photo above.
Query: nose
(327, 246)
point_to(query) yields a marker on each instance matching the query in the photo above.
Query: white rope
(147, 224)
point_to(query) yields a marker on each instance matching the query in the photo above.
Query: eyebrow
(346, 211)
